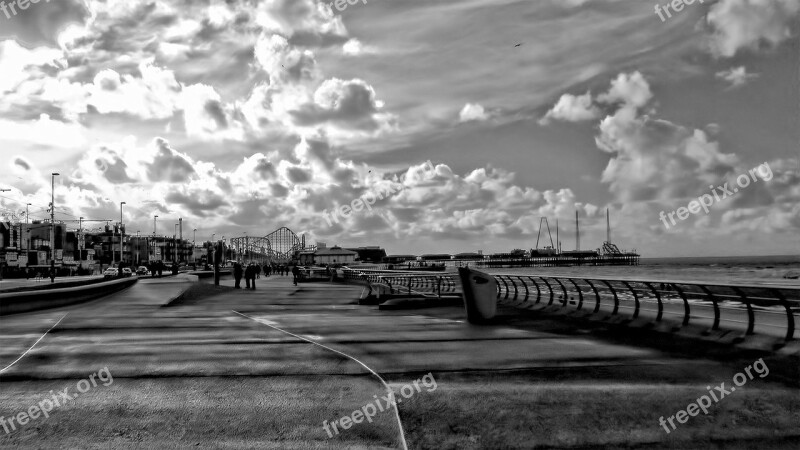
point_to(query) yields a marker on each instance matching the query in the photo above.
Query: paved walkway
(217, 369)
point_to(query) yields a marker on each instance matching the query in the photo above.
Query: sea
(756, 270)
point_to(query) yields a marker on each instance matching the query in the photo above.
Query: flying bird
(518, 45)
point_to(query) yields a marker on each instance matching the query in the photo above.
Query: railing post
(596, 296)
(538, 292)
(552, 295)
(789, 315)
(503, 279)
(511, 279)
(526, 288)
(616, 299)
(751, 316)
(564, 290)
(635, 299)
(711, 297)
(580, 293)
(658, 298)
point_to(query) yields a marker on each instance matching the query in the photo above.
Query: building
(436, 257)
(334, 255)
(27, 246)
(371, 254)
(398, 259)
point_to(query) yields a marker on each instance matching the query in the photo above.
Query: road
(219, 369)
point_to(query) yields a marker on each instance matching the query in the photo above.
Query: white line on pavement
(386, 385)
(34, 344)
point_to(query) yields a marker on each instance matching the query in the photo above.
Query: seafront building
(27, 246)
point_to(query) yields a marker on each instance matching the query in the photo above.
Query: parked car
(127, 272)
(141, 270)
(111, 272)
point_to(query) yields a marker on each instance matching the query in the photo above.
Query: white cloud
(746, 24)
(472, 111)
(572, 108)
(630, 89)
(736, 76)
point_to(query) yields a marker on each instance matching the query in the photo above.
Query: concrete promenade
(19, 283)
(213, 370)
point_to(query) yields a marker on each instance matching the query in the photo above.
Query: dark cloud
(169, 165)
(201, 204)
(22, 163)
(40, 23)
(298, 175)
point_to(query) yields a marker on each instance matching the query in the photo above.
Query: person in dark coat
(295, 274)
(248, 271)
(237, 274)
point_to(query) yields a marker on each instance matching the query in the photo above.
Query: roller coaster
(278, 247)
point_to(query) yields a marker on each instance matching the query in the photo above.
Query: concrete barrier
(19, 302)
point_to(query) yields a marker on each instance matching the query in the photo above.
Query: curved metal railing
(685, 300)
(405, 282)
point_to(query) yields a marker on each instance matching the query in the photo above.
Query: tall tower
(577, 233)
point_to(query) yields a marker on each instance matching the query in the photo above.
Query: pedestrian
(237, 274)
(258, 270)
(266, 270)
(253, 271)
(295, 274)
(247, 271)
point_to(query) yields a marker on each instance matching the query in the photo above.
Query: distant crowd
(252, 270)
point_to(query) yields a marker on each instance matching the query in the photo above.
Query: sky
(443, 125)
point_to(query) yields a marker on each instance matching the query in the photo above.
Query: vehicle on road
(141, 270)
(111, 272)
(127, 272)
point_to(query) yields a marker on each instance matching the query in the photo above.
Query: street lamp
(27, 214)
(175, 243)
(52, 220)
(154, 236)
(121, 233)
(138, 260)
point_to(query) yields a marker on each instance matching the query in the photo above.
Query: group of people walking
(253, 271)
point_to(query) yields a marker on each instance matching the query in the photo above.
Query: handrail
(509, 290)
(423, 283)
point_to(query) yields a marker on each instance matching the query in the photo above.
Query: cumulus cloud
(747, 24)
(572, 108)
(629, 89)
(472, 111)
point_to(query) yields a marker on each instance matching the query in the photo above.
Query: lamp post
(121, 234)
(27, 214)
(138, 260)
(154, 236)
(175, 243)
(194, 244)
(52, 222)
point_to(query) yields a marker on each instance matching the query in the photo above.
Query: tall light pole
(175, 243)
(154, 236)
(121, 233)
(80, 241)
(53, 217)
(27, 214)
(194, 244)
(138, 261)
